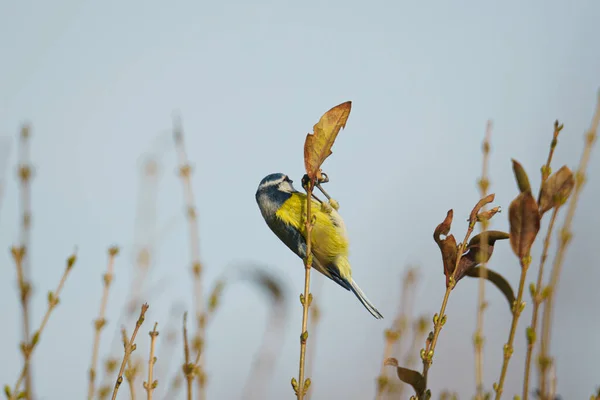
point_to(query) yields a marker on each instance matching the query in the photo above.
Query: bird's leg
(305, 180)
(324, 179)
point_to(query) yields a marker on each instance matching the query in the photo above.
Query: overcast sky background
(100, 81)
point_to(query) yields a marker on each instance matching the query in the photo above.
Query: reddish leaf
(556, 189)
(524, 219)
(447, 246)
(412, 377)
(317, 146)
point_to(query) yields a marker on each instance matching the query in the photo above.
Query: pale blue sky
(100, 80)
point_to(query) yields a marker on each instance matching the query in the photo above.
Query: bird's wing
(294, 240)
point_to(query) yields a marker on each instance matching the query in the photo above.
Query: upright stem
(537, 301)
(302, 386)
(100, 323)
(481, 303)
(151, 384)
(517, 309)
(565, 237)
(25, 172)
(185, 171)
(440, 319)
(129, 348)
(430, 348)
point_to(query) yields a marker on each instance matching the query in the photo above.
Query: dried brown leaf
(475, 254)
(556, 189)
(317, 146)
(521, 177)
(412, 377)
(480, 204)
(447, 246)
(524, 219)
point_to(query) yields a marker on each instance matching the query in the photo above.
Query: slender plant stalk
(151, 384)
(395, 333)
(301, 386)
(537, 297)
(440, 319)
(145, 231)
(28, 348)
(516, 310)
(129, 348)
(25, 173)
(564, 239)
(478, 338)
(315, 317)
(188, 368)
(130, 373)
(100, 322)
(185, 172)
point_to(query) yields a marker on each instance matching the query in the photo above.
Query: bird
(284, 210)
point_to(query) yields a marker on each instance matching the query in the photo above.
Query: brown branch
(151, 384)
(565, 237)
(29, 347)
(478, 338)
(100, 322)
(25, 174)
(185, 172)
(537, 295)
(129, 348)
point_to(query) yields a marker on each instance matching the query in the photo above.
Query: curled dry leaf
(412, 377)
(521, 177)
(475, 254)
(317, 146)
(524, 219)
(480, 204)
(556, 189)
(487, 215)
(498, 281)
(447, 246)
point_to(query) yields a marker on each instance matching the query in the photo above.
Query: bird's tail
(363, 299)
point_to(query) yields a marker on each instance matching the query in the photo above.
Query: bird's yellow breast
(328, 237)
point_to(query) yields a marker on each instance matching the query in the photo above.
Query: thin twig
(478, 338)
(188, 368)
(25, 174)
(517, 308)
(440, 319)
(27, 348)
(100, 322)
(564, 239)
(151, 384)
(185, 172)
(395, 333)
(537, 298)
(301, 386)
(129, 348)
(314, 318)
(130, 373)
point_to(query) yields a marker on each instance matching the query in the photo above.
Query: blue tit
(284, 210)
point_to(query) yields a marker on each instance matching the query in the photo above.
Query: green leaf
(498, 281)
(412, 377)
(521, 177)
